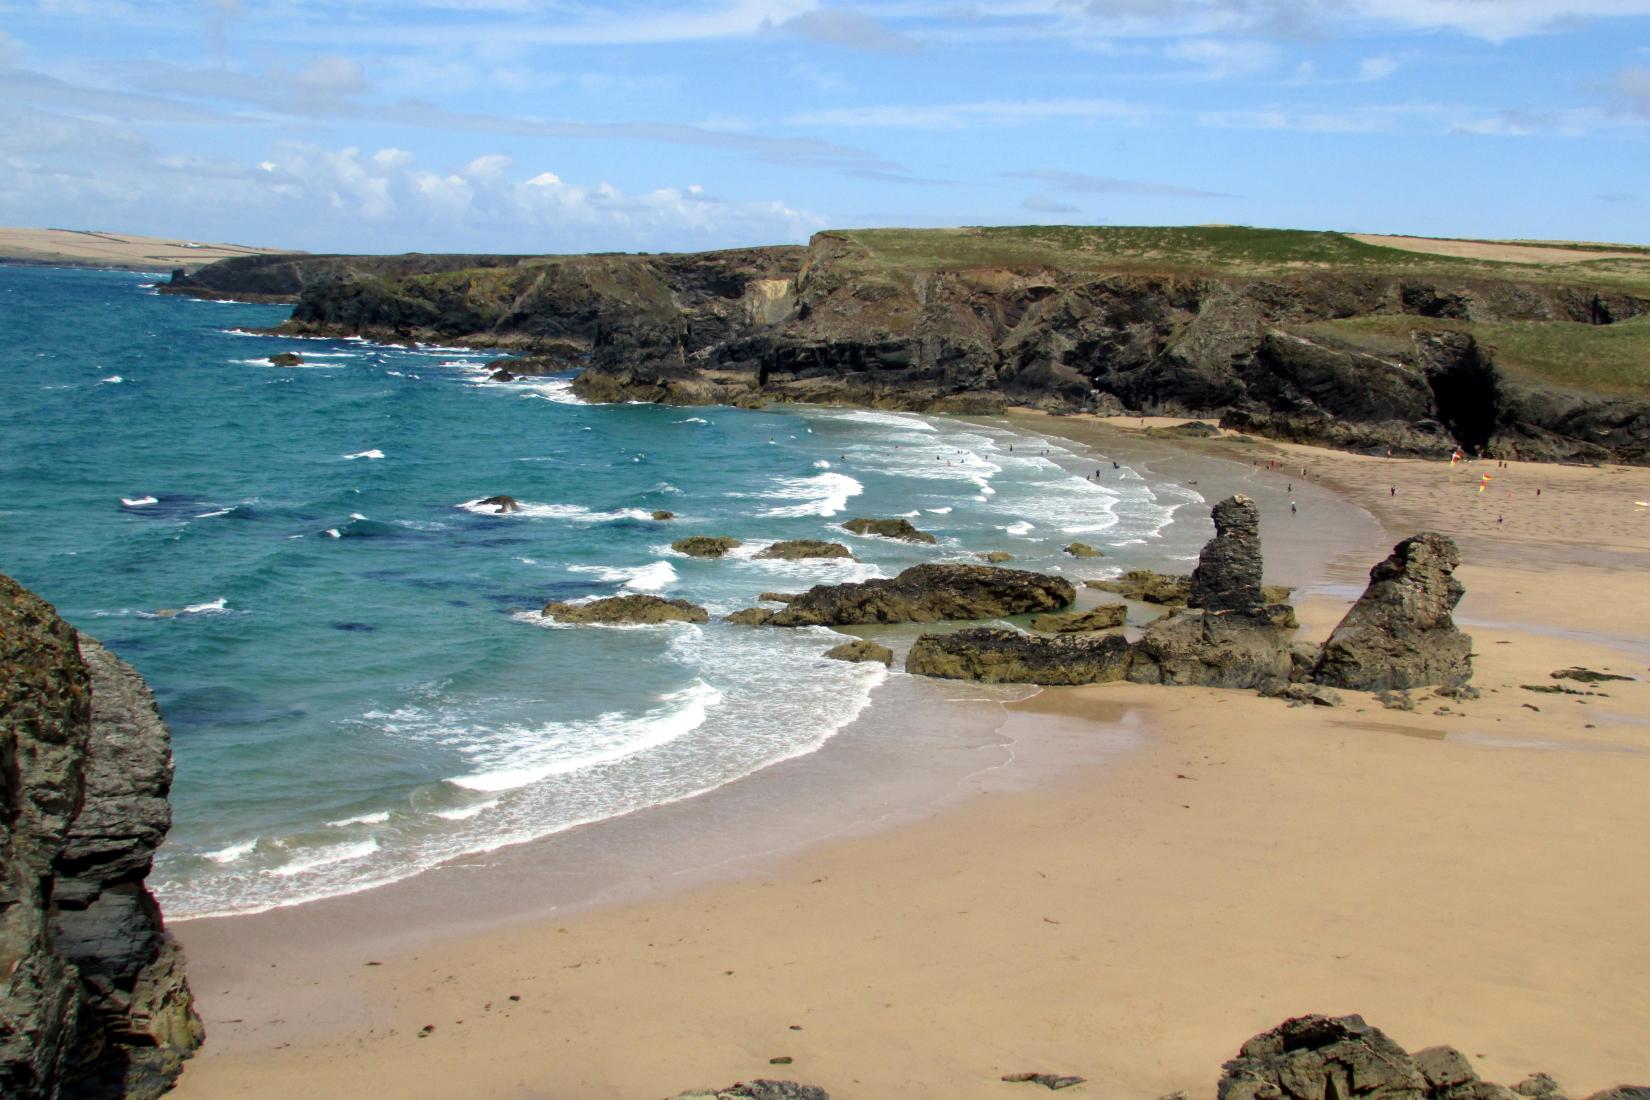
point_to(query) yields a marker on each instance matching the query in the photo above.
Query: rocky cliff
(1244, 325)
(94, 1003)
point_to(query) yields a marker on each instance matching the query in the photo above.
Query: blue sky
(536, 126)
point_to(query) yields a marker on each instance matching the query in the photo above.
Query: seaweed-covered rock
(799, 549)
(626, 610)
(662, 514)
(1105, 617)
(751, 616)
(996, 557)
(888, 529)
(860, 650)
(927, 594)
(286, 359)
(705, 546)
(999, 656)
(1083, 550)
(1401, 632)
(1166, 589)
(777, 597)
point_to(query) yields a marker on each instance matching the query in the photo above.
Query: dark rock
(1145, 586)
(999, 656)
(95, 1003)
(888, 529)
(1212, 649)
(662, 515)
(1444, 1068)
(1053, 1081)
(1400, 633)
(1319, 1058)
(705, 546)
(1622, 1092)
(926, 594)
(620, 610)
(1305, 693)
(1537, 1086)
(777, 597)
(501, 376)
(860, 650)
(1083, 550)
(1192, 429)
(760, 1089)
(1228, 573)
(799, 549)
(501, 505)
(1105, 617)
(1586, 675)
(751, 616)
(1303, 658)
(286, 359)
(996, 557)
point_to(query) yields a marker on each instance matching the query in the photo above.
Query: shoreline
(362, 1019)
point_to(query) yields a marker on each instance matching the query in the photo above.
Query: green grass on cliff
(1222, 249)
(1611, 359)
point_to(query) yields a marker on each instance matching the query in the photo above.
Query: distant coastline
(121, 251)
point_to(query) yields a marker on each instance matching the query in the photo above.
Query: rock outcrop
(501, 505)
(928, 594)
(286, 359)
(750, 616)
(1083, 550)
(94, 1002)
(1164, 589)
(998, 656)
(1105, 617)
(996, 557)
(802, 549)
(1227, 577)
(860, 650)
(635, 610)
(705, 546)
(1401, 633)
(889, 529)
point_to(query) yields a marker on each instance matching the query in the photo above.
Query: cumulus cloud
(847, 27)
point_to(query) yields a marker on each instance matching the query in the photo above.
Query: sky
(539, 126)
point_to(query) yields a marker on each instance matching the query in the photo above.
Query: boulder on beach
(760, 1089)
(997, 656)
(860, 650)
(705, 546)
(1401, 633)
(501, 505)
(996, 557)
(1105, 617)
(888, 529)
(927, 594)
(800, 549)
(286, 359)
(751, 616)
(626, 610)
(1083, 550)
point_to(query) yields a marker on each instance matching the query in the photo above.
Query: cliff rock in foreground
(93, 999)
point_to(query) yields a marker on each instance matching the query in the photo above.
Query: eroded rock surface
(927, 594)
(705, 546)
(860, 650)
(1227, 577)
(1401, 633)
(1105, 617)
(998, 656)
(626, 610)
(801, 549)
(889, 529)
(94, 1003)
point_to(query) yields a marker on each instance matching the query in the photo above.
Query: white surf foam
(112, 380)
(339, 853)
(374, 453)
(464, 813)
(824, 494)
(139, 502)
(333, 533)
(653, 577)
(559, 390)
(219, 604)
(219, 512)
(233, 852)
(576, 513)
(365, 819)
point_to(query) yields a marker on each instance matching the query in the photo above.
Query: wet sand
(1119, 882)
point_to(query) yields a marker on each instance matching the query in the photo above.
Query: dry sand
(1512, 252)
(87, 248)
(1476, 873)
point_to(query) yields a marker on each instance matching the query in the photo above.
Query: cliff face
(94, 1003)
(836, 323)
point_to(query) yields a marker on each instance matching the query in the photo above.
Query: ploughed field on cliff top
(346, 641)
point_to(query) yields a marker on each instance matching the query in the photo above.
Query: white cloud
(1632, 88)
(1377, 68)
(848, 27)
(953, 116)
(1220, 59)
(330, 76)
(11, 50)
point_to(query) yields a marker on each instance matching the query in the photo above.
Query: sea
(346, 644)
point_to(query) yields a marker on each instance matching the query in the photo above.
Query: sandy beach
(1119, 882)
(127, 251)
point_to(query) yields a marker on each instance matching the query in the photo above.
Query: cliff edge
(93, 1003)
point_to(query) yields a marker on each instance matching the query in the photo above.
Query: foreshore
(1119, 882)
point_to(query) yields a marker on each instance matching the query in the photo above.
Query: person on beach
(1292, 508)
(1392, 491)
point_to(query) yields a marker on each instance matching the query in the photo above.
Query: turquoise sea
(348, 650)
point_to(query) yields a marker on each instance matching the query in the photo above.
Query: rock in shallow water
(626, 610)
(705, 546)
(860, 650)
(801, 549)
(927, 594)
(889, 529)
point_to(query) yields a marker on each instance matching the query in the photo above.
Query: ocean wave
(604, 740)
(139, 502)
(112, 380)
(374, 453)
(558, 390)
(465, 813)
(365, 819)
(233, 852)
(576, 513)
(652, 577)
(824, 494)
(326, 857)
(885, 419)
(692, 420)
